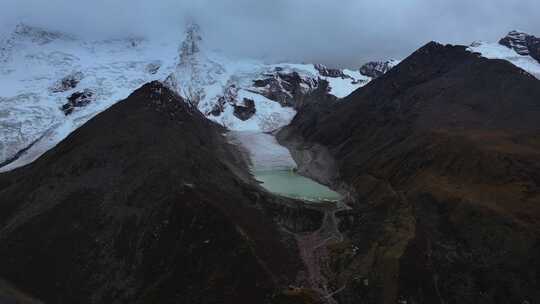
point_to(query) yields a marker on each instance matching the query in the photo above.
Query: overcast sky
(336, 32)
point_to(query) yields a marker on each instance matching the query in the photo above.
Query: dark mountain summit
(147, 203)
(442, 154)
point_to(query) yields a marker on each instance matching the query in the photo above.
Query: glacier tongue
(40, 70)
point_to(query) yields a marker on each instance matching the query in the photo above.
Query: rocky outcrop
(245, 110)
(442, 156)
(147, 203)
(78, 100)
(289, 89)
(328, 72)
(376, 69)
(67, 83)
(230, 97)
(523, 44)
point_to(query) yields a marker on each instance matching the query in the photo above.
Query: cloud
(344, 32)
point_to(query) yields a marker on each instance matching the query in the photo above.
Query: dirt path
(314, 252)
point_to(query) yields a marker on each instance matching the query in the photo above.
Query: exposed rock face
(523, 44)
(246, 110)
(327, 72)
(442, 155)
(230, 96)
(67, 83)
(147, 203)
(376, 69)
(78, 100)
(286, 88)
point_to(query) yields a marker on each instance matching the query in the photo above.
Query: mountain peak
(523, 43)
(191, 44)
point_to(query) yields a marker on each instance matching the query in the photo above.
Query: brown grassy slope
(443, 155)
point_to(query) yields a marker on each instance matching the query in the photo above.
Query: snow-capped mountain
(523, 44)
(249, 94)
(51, 83)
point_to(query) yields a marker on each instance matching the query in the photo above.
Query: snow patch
(269, 115)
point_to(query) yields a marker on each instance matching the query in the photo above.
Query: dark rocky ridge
(375, 69)
(67, 83)
(289, 89)
(442, 155)
(328, 72)
(230, 96)
(246, 110)
(147, 203)
(523, 44)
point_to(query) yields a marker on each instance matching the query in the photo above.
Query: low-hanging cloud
(344, 32)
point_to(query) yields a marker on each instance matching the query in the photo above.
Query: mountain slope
(147, 203)
(442, 155)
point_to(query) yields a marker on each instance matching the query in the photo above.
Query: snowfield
(270, 115)
(33, 63)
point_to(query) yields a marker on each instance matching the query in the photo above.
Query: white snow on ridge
(342, 88)
(497, 51)
(34, 61)
(29, 110)
(339, 87)
(269, 116)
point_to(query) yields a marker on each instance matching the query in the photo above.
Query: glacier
(34, 62)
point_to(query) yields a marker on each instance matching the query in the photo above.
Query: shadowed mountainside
(442, 155)
(147, 203)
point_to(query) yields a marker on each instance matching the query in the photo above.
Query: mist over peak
(345, 34)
